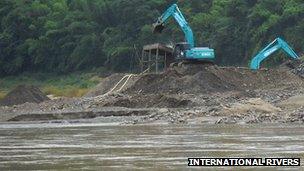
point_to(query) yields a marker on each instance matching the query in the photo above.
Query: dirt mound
(200, 79)
(296, 67)
(174, 81)
(105, 85)
(23, 94)
(245, 78)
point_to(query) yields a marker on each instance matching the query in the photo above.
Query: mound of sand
(23, 94)
(253, 104)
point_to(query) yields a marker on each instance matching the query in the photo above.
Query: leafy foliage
(70, 35)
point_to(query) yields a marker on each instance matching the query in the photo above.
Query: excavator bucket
(158, 27)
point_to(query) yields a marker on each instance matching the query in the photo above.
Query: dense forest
(63, 36)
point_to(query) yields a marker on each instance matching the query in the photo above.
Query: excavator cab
(180, 49)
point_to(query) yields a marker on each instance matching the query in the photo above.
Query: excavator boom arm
(288, 49)
(179, 18)
(270, 49)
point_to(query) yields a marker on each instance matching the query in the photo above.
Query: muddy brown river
(111, 146)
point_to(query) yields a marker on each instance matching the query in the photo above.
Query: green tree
(71, 35)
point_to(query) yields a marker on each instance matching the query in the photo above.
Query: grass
(67, 91)
(2, 94)
(71, 85)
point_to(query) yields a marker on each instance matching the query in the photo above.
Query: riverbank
(200, 93)
(218, 108)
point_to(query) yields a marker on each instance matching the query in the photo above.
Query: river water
(99, 146)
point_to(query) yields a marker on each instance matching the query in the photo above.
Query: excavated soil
(105, 85)
(295, 66)
(108, 83)
(199, 79)
(23, 94)
(184, 93)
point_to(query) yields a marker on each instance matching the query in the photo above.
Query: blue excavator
(277, 44)
(184, 51)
